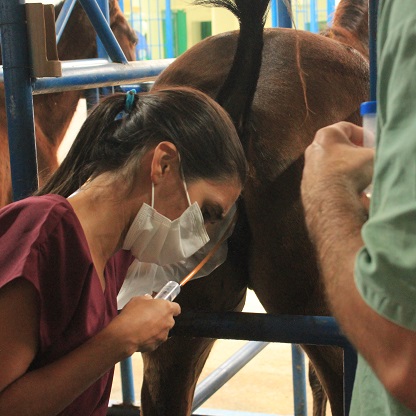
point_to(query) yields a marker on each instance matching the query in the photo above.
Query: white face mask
(153, 238)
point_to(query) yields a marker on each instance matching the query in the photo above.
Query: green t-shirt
(385, 270)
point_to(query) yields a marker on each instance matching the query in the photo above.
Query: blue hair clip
(130, 95)
(128, 105)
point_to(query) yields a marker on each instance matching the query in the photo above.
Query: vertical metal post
(273, 8)
(372, 27)
(330, 8)
(313, 17)
(169, 30)
(103, 30)
(299, 381)
(103, 4)
(350, 366)
(101, 53)
(283, 14)
(127, 382)
(63, 17)
(19, 100)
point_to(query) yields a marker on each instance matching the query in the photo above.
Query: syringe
(172, 288)
(169, 291)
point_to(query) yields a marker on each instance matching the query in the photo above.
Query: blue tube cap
(368, 107)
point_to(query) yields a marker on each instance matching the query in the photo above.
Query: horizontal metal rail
(94, 73)
(292, 329)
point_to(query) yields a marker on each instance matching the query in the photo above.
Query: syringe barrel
(169, 291)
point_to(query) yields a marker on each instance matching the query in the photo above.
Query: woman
(141, 181)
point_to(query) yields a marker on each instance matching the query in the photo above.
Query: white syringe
(172, 288)
(169, 291)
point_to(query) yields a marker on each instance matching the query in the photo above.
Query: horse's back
(306, 81)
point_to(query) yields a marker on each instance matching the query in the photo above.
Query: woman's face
(214, 198)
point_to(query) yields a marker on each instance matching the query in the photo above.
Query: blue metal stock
(169, 30)
(127, 381)
(63, 18)
(313, 17)
(19, 101)
(372, 28)
(98, 73)
(299, 381)
(283, 14)
(103, 30)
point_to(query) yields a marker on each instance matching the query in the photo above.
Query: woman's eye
(206, 214)
(211, 214)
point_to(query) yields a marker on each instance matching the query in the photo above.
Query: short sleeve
(385, 269)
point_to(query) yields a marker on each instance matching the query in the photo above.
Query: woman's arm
(143, 325)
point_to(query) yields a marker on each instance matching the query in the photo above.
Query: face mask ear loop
(153, 194)
(186, 188)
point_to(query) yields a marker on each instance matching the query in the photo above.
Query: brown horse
(54, 112)
(279, 95)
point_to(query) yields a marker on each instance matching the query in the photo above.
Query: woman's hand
(144, 323)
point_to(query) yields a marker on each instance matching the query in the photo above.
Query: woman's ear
(165, 161)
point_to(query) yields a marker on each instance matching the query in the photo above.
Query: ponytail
(78, 166)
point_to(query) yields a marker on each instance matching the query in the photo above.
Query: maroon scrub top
(42, 241)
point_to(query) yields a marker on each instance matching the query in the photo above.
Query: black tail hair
(237, 93)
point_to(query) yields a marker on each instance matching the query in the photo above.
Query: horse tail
(350, 24)
(237, 92)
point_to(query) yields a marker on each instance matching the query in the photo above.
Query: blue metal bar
(213, 382)
(273, 7)
(63, 18)
(103, 30)
(299, 381)
(283, 14)
(372, 27)
(105, 9)
(169, 30)
(92, 73)
(121, 4)
(127, 381)
(313, 17)
(350, 365)
(330, 8)
(19, 100)
(292, 329)
(314, 330)
(101, 51)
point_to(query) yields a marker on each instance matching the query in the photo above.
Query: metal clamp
(40, 19)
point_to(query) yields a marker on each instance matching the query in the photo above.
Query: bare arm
(336, 172)
(142, 326)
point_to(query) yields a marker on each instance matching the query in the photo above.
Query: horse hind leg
(320, 399)
(326, 378)
(170, 376)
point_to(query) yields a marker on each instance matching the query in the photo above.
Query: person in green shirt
(368, 259)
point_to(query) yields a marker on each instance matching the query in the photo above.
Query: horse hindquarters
(287, 111)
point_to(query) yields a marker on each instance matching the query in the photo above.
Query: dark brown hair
(200, 129)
